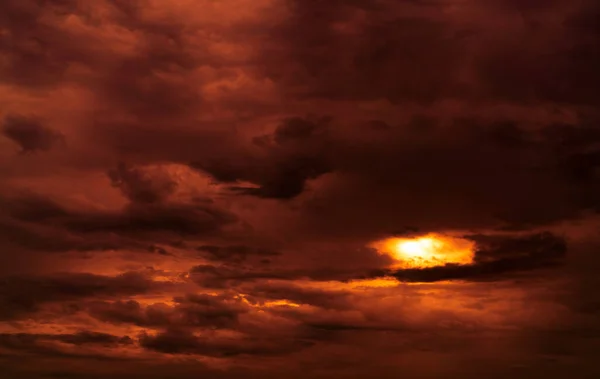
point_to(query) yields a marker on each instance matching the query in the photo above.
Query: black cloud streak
(28, 214)
(24, 295)
(211, 276)
(176, 341)
(16, 340)
(48, 345)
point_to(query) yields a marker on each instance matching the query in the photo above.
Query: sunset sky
(302, 189)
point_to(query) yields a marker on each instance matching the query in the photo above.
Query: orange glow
(427, 251)
(281, 303)
(268, 304)
(374, 283)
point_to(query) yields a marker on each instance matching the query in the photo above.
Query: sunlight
(427, 251)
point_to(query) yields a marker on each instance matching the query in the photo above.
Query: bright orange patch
(427, 251)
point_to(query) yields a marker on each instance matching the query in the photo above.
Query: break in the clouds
(195, 188)
(494, 257)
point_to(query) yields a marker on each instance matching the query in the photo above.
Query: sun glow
(427, 251)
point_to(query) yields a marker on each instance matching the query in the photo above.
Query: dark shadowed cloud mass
(204, 188)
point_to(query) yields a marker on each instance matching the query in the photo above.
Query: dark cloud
(185, 219)
(79, 338)
(138, 86)
(155, 91)
(327, 299)
(140, 187)
(158, 250)
(234, 253)
(212, 276)
(22, 295)
(570, 57)
(33, 207)
(288, 179)
(298, 129)
(197, 217)
(577, 154)
(222, 277)
(37, 223)
(152, 82)
(215, 311)
(53, 345)
(30, 134)
(296, 152)
(391, 50)
(356, 50)
(38, 51)
(463, 173)
(182, 342)
(131, 312)
(48, 239)
(195, 310)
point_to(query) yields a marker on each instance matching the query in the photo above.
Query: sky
(224, 189)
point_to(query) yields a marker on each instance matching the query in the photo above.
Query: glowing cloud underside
(427, 251)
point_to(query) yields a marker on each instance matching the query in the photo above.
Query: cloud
(346, 56)
(193, 310)
(80, 345)
(38, 53)
(522, 79)
(235, 253)
(30, 134)
(184, 219)
(44, 239)
(322, 298)
(212, 276)
(182, 342)
(139, 187)
(392, 50)
(294, 153)
(19, 227)
(462, 173)
(80, 338)
(25, 294)
(133, 224)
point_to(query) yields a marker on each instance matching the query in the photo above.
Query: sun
(427, 251)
